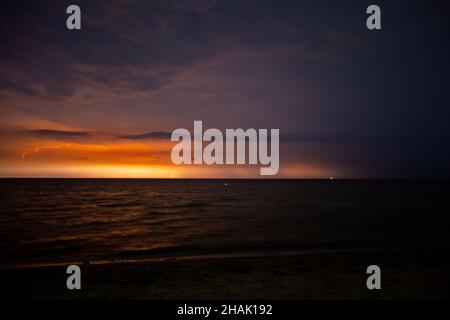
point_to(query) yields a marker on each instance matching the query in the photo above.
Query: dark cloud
(6, 85)
(123, 45)
(157, 135)
(57, 134)
(92, 136)
(162, 37)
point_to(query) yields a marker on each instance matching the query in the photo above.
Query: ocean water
(68, 220)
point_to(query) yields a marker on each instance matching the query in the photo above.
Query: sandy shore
(406, 274)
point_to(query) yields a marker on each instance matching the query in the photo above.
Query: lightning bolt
(38, 149)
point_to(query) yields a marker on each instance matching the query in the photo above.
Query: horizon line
(236, 179)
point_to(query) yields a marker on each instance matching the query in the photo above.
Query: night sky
(102, 101)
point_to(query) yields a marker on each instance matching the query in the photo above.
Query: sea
(59, 221)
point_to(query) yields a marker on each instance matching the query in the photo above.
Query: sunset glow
(103, 101)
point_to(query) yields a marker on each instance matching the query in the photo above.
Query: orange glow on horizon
(115, 158)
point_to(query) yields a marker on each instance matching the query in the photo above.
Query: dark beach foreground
(406, 274)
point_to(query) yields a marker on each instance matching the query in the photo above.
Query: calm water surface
(63, 220)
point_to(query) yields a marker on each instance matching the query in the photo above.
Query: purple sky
(349, 102)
